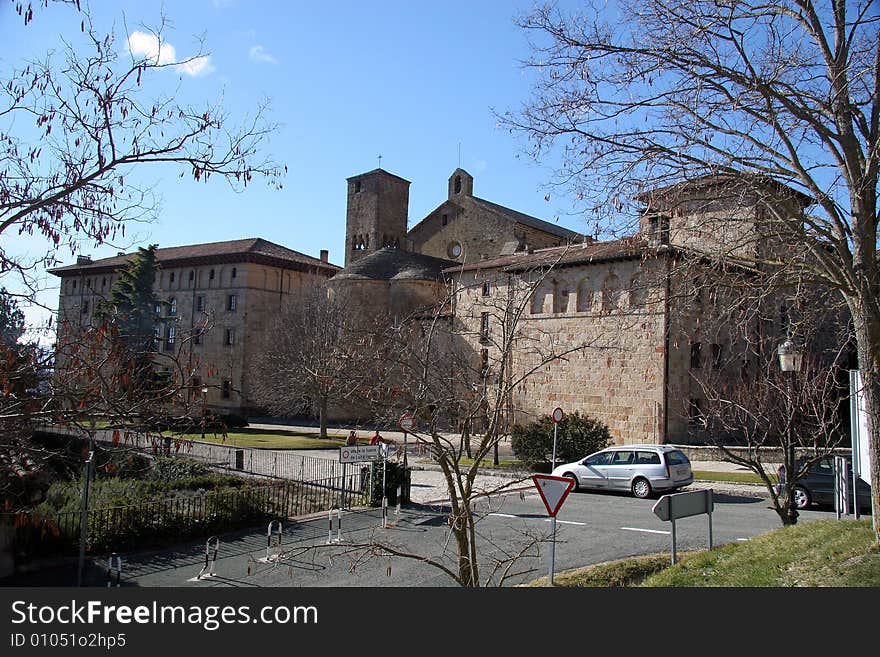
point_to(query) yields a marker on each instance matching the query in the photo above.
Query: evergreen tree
(129, 315)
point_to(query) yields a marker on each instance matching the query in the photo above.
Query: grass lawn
(732, 477)
(838, 553)
(273, 439)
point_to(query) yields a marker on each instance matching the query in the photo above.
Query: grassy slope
(819, 553)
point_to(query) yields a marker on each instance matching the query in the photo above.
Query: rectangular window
(226, 389)
(444, 220)
(696, 355)
(230, 336)
(231, 302)
(172, 277)
(717, 355)
(198, 334)
(487, 288)
(170, 337)
(484, 326)
(211, 275)
(200, 303)
(234, 272)
(85, 307)
(484, 363)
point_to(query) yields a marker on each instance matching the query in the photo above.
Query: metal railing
(116, 528)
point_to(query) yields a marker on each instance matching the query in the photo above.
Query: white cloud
(197, 66)
(148, 46)
(259, 54)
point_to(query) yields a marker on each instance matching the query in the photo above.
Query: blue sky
(347, 81)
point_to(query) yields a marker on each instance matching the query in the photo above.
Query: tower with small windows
(376, 213)
(461, 183)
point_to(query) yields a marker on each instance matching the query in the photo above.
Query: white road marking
(742, 539)
(560, 522)
(647, 531)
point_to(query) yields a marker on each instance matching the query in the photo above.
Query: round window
(454, 250)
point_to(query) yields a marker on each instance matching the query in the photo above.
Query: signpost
(861, 457)
(557, 417)
(682, 505)
(553, 491)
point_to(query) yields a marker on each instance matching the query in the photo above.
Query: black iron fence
(193, 515)
(282, 464)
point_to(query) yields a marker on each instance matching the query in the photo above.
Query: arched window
(172, 306)
(612, 294)
(560, 297)
(538, 297)
(458, 184)
(584, 296)
(638, 293)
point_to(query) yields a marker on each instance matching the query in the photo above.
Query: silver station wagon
(641, 469)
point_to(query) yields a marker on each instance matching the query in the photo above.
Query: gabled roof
(254, 249)
(378, 171)
(528, 220)
(507, 213)
(725, 181)
(395, 264)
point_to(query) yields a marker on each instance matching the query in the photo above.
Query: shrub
(395, 476)
(172, 468)
(577, 436)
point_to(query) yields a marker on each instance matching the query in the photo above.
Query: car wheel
(569, 475)
(641, 488)
(802, 497)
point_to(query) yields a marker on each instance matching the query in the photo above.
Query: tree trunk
(322, 416)
(868, 341)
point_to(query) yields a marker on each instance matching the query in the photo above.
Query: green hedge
(577, 436)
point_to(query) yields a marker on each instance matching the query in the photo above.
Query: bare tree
(73, 130)
(308, 359)
(454, 369)
(660, 92)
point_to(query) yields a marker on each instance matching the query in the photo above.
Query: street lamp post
(790, 359)
(204, 409)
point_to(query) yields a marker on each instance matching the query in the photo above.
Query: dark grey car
(817, 486)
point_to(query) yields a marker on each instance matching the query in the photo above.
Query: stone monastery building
(646, 337)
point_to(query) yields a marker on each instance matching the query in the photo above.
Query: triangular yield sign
(553, 490)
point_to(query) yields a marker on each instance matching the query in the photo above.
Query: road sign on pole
(406, 422)
(553, 491)
(670, 508)
(359, 453)
(558, 415)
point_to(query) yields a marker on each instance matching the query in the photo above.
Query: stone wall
(617, 377)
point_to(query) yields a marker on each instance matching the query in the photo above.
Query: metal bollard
(271, 533)
(338, 525)
(114, 563)
(210, 559)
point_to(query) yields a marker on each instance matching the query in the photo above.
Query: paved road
(593, 528)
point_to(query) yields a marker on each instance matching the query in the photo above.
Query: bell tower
(376, 213)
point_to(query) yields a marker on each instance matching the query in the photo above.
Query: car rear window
(676, 458)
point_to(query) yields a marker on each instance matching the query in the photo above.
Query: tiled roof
(253, 249)
(575, 254)
(394, 264)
